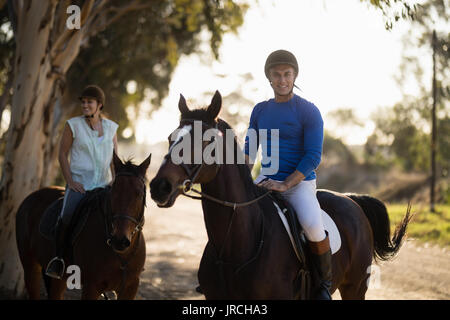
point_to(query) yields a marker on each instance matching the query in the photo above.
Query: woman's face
(89, 106)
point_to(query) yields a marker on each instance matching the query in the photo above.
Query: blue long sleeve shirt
(300, 129)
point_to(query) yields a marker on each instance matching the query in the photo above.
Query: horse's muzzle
(160, 190)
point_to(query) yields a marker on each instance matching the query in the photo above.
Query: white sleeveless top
(90, 157)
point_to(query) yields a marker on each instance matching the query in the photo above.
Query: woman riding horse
(90, 140)
(108, 245)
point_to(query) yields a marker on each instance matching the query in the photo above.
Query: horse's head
(127, 202)
(193, 151)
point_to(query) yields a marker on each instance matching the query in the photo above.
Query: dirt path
(176, 238)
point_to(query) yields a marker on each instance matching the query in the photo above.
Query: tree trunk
(32, 85)
(63, 108)
(45, 50)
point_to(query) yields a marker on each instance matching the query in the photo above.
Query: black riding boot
(56, 266)
(321, 254)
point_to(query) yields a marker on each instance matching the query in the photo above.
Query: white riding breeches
(302, 198)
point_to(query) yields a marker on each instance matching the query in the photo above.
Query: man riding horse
(300, 128)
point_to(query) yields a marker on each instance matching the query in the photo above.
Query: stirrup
(53, 274)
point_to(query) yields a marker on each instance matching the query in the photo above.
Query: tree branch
(62, 41)
(133, 6)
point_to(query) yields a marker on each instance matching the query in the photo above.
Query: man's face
(282, 78)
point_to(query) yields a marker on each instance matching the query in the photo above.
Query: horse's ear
(215, 106)
(182, 106)
(144, 165)
(116, 162)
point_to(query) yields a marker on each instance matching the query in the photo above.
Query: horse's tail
(376, 212)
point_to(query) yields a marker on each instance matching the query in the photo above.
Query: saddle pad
(49, 218)
(329, 225)
(79, 218)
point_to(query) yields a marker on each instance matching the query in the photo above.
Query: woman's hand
(76, 186)
(273, 185)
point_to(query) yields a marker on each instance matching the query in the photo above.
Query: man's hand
(273, 185)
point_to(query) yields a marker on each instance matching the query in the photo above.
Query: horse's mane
(223, 126)
(129, 167)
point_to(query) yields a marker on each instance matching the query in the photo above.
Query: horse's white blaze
(180, 134)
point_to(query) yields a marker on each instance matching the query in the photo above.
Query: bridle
(139, 223)
(192, 171)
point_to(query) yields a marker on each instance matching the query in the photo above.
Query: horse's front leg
(57, 289)
(129, 291)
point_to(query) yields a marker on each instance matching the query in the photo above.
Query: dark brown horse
(249, 254)
(109, 250)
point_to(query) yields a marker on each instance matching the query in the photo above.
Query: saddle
(307, 275)
(94, 199)
(306, 279)
(298, 235)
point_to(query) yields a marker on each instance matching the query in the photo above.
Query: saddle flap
(93, 198)
(295, 231)
(292, 225)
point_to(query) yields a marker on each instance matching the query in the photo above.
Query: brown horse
(249, 254)
(109, 250)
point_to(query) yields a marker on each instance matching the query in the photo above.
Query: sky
(347, 59)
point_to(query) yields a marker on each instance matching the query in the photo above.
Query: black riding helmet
(280, 57)
(94, 92)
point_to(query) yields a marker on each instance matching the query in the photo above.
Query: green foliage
(425, 225)
(402, 137)
(335, 146)
(143, 46)
(345, 117)
(394, 10)
(402, 134)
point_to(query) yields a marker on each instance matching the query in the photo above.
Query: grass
(425, 226)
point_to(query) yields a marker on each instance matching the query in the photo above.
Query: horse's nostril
(160, 188)
(165, 186)
(126, 243)
(120, 244)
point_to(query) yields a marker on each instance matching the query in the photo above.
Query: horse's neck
(246, 223)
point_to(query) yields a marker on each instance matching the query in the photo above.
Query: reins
(203, 195)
